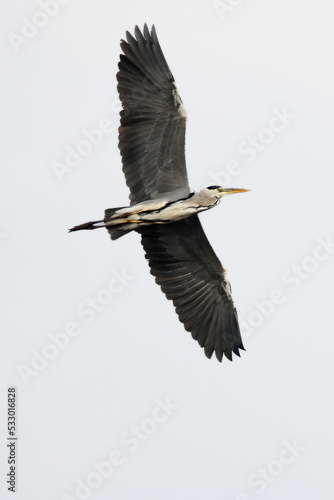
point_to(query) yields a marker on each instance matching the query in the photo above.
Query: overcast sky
(114, 397)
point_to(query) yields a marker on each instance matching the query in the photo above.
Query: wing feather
(189, 273)
(153, 122)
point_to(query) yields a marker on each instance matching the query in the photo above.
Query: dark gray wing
(189, 273)
(153, 121)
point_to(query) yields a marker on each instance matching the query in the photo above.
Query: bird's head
(220, 191)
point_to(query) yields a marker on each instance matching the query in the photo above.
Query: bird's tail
(88, 225)
(117, 226)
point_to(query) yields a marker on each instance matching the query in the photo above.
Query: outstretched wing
(153, 121)
(189, 273)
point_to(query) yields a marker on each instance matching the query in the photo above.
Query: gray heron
(163, 209)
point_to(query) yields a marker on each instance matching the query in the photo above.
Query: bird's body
(121, 220)
(163, 208)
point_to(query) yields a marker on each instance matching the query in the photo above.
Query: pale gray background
(232, 419)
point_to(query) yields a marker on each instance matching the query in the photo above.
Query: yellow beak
(235, 190)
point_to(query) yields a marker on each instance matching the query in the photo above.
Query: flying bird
(163, 208)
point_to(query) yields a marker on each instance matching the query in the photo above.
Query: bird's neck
(207, 198)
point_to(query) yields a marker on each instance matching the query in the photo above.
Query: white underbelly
(174, 212)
